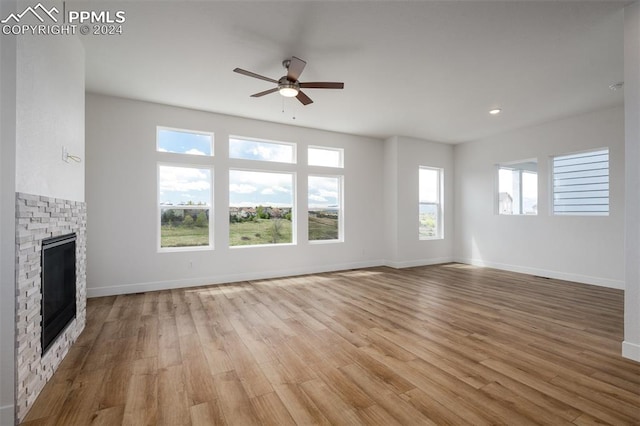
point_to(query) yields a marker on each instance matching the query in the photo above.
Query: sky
(179, 185)
(259, 150)
(184, 184)
(193, 143)
(252, 188)
(324, 191)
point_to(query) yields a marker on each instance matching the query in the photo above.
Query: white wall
(41, 108)
(50, 115)
(631, 345)
(584, 249)
(403, 157)
(7, 219)
(122, 202)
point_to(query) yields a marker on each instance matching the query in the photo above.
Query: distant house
(505, 203)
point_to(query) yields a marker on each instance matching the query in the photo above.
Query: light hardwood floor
(446, 344)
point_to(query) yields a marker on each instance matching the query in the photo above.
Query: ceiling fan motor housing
(285, 83)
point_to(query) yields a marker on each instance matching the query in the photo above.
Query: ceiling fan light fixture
(288, 88)
(288, 91)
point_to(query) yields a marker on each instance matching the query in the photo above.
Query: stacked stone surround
(39, 218)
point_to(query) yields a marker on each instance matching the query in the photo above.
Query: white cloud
(267, 191)
(313, 197)
(327, 193)
(242, 188)
(194, 151)
(184, 179)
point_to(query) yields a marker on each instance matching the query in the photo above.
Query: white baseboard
(631, 350)
(584, 279)
(417, 262)
(222, 279)
(230, 278)
(7, 415)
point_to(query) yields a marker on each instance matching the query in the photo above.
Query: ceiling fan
(289, 85)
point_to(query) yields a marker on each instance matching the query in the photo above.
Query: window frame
(293, 145)
(597, 152)
(294, 213)
(159, 206)
(513, 167)
(340, 200)
(439, 234)
(195, 132)
(340, 151)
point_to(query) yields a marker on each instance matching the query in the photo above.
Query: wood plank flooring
(446, 344)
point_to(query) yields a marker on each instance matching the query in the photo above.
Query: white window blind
(581, 184)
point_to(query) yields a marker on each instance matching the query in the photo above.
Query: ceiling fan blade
(304, 98)
(266, 92)
(322, 85)
(295, 68)
(254, 75)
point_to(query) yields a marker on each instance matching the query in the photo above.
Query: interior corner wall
(631, 345)
(7, 219)
(122, 207)
(587, 249)
(390, 193)
(50, 116)
(403, 157)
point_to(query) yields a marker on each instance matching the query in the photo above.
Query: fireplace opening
(58, 286)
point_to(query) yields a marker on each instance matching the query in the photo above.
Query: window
(260, 208)
(324, 208)
(250, 149)
(184, 199)
(184, 141)
(518, 188)
(581, 183)
(325, 157)
(430, 203)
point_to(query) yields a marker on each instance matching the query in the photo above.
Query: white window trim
(159, 207)
(294, 146)
(326, 148)
(440, 208)
(196, 132)
(552, 185)
(294, 211)
(340, 238)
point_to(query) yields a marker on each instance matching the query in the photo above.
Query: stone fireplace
(40, 218)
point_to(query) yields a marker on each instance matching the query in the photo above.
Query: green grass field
(181, 236)
(323, 228)
(261, 231)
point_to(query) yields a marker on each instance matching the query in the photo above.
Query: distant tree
(169, 217)
(188, 221)
(262, 213)
(201, 220)
(288, 216)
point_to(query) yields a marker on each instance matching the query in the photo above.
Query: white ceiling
(429, 70)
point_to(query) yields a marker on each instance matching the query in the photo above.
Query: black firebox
(58, 286)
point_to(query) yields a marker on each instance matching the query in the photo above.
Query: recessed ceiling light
(495, 111)
(616, 86)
